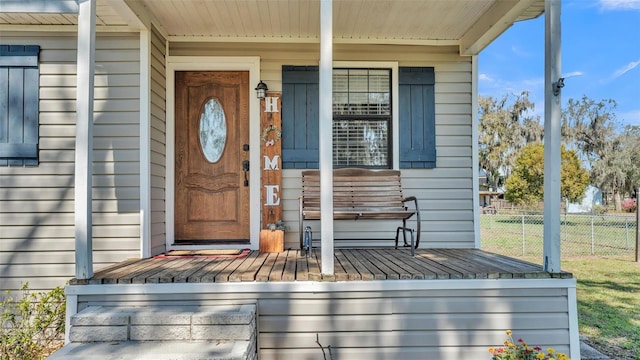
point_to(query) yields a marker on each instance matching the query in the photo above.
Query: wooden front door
(212, 137)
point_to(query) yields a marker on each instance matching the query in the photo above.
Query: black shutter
(19, 84)
(417, 118)
(300, 90)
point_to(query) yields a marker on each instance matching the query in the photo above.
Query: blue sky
(600, 57)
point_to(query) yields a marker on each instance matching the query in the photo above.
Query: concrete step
(221, 332)
(157, 350)
(189, 323)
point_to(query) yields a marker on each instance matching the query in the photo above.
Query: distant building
(487, 194)
(592, 197)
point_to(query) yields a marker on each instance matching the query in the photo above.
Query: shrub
(32, 327)
(522, 351)
(599, 209)
(629, 205)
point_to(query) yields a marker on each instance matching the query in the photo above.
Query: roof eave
(496, 21)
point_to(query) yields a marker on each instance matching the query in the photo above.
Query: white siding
(445, 194)
(44, 194)
(158, 142)
(421, 321)
(36, 203)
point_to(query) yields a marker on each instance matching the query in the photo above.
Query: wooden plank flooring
(350, 265)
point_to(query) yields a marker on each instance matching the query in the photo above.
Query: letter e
(272, 195)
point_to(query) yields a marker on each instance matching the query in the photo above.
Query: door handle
(245, 170)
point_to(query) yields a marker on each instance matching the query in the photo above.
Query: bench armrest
(415, 202)
(418, 220)
(300, 220)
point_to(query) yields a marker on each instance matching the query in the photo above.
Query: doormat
(225, 253)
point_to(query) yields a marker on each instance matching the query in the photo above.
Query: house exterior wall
(38, 239)
(414, 319)
(445, 193)
(36, 203)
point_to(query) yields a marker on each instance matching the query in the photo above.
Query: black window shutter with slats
(417, 118)
(300, 117)
(19, 84)
(300, 86)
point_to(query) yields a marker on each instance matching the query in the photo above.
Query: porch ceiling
(469, 24)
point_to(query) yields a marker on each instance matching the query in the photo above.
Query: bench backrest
(354, 188)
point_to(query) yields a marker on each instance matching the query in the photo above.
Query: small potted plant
(272, 238)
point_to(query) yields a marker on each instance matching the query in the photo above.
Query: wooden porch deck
(350, 265)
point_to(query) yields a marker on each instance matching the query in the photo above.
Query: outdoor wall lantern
(261, 90)
(556, 86)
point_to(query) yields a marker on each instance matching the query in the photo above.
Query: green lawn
(608, 283)
(609, 304)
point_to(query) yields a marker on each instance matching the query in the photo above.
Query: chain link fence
(580, 234)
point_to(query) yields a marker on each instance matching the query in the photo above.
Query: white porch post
(474, 153)
(84, 137)
(145, 144)
(552, 141)
(326, 135)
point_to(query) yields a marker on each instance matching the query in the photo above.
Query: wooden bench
(361, 194)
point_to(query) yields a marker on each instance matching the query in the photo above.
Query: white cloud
(630, 117)
(632, 65)
(501, 86)
(608, 5)
(485, 78)
(519, 52)
(572, 74)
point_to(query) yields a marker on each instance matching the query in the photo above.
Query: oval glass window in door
(213, 130)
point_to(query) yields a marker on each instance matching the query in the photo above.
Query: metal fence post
(638, 225)
(566, 228)
(523, 250)
(593, 242)
(626, 230)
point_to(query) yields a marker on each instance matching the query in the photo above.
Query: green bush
(32, 327)
(599, 209)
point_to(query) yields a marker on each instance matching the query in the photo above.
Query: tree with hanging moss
(505, 125)
(592, 128)
(525, 186)
(630, 140)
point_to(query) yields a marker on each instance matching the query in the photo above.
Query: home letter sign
(271, 151)
(271, 104)
(271, 163)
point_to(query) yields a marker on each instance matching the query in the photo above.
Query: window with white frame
(365, 102)
(362, 118)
